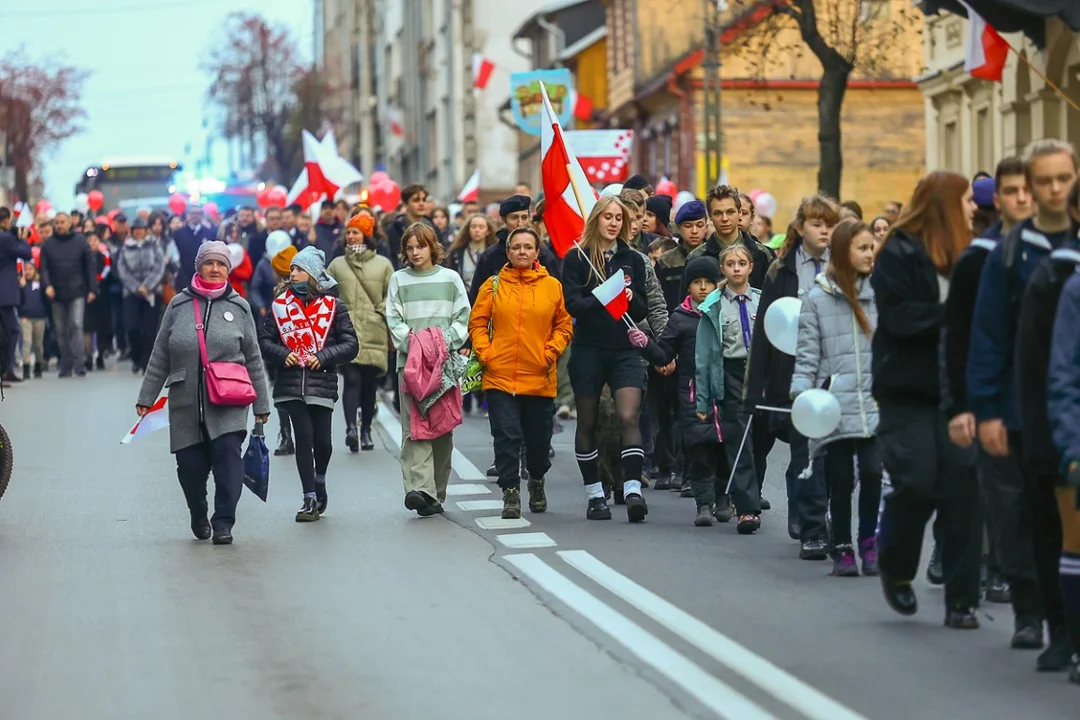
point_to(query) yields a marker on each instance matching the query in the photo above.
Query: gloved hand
(638, 338)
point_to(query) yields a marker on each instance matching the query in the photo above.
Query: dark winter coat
(261, 288)
(594, 324)
(187, 243)
(493, 259)
(669, 271)
(762, 256)
(67, 265)
(1039, 312)
(12, 249)
(991, 382)
(254, 241)
(327, 236)
(956, 335)
(910, 318)
(296, 382)
(769, 371)
(32, 302)
(1064, 385)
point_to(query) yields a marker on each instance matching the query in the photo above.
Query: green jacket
(709, 353)
(362, 286)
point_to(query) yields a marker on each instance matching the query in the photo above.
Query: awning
(1026, 16)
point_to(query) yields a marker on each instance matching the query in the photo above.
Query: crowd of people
(945, 328)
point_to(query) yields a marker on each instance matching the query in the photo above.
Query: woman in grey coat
(141, 268)
(836, 325)
(203, 436)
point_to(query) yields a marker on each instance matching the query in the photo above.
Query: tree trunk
(830, 103)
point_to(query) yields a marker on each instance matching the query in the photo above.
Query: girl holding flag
(603, 281)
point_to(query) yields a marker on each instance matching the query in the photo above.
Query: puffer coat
(141, 264)
(363, 282)
(834, 352)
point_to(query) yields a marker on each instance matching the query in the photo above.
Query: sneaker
(723, 511)
(492, 471)
(678, 483)
(320, 497)
(309, 511)
(704, 516)
(961, 618)
(665, 481)
(997, 590)
(814, 550)
(598, 510)
(563, 412)
(1028, 633)
(636, 508)
(511, 504)
(868, 555)
(748, 524)
(844, 564)
(537, 496)
(935, 571)
(685, 489)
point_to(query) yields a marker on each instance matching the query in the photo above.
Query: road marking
(499, 523)
(463, 467)
(520, 541)
(787, 688)
(468, 489)
(710, 691)
(478, 505)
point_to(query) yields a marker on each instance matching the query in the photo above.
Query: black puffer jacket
(340, 349)
(67, 265)
(768, 378)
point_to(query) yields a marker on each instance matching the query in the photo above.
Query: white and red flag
(471, 191)
(986, 49)
(481, 71)
(612, 294)
(325, 172)
(156, 418)
(560, 173)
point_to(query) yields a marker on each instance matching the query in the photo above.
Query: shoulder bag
(227, 384)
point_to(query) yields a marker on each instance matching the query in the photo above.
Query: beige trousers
(425, 464)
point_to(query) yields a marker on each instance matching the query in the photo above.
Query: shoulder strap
(199, 329)
(491, 315)
(363, 288)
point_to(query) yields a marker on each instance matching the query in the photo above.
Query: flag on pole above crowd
(986, 49)
(481, 71)
(568, 196)
(325, 172)
(471, 191)
(156, 418)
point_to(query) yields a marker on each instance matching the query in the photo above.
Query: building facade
(971, 124)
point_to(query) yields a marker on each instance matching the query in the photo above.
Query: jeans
(518, 419)
(360, 386)
(68, 320)
(840, 458)
(311, 426)
(222, 456)
(140, 321)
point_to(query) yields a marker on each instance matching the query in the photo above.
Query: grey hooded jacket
(141, 264)
(833, 349)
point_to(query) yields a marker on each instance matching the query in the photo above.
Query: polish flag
(986, 49)
(393, 116)
(325, 172)
(471, 191)
(560, 173)
(581, 106)
(481, 71)
(612, 293)
(155, 419)
(25, 218)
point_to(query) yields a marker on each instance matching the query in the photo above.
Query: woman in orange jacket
(519, 327)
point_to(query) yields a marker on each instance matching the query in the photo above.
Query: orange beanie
(282, 262)
(362, 222)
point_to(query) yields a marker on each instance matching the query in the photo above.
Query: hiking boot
(998, 591)
(961, 618)
(665, 481)
(351, 440)
(844, 564)
(935, 571)
(868, 555)
(748, 524)
(704, 516)
(636, 508)
(511, 504)
(366, 443)
(537, 496)
(598, 510)
(899, 595)
(1028, 634)
(309, 511)
(814, 550)
(723, 512)
(285, 443)
(1056, 657)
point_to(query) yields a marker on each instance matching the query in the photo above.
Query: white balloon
(613, 189)
(276, 242)
(82, 202)
(683, 197)
(236, 255)
(765, 204)
(815, 413)
(782, 324)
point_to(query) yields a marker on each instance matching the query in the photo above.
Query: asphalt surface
(111, 610)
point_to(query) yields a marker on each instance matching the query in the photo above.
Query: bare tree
(844, 35)
(40, 107)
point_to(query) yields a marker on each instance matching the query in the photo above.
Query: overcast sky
(146, 94)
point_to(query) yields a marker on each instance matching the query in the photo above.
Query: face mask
(300, 288)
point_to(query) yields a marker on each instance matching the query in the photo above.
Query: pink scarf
(211, 291)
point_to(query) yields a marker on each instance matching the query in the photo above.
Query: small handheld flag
(156, 418)
(612, 295)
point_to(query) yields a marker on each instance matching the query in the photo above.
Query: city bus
(120, 180)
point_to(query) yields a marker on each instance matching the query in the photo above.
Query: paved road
(111, 610)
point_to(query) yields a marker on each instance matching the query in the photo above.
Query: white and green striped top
(416, 301)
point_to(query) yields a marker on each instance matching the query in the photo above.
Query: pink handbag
(227, 383)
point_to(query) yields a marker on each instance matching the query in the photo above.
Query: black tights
(360, 388)
(311, 434)
(627, 412)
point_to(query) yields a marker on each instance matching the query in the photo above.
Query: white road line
(468, 489)
(479, 505)
(462, 466)
(520, 541)
(710, 691)
(499, 523)
(787, 688)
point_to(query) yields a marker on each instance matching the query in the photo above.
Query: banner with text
(527, 104)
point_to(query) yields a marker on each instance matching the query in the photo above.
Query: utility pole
(714, 134)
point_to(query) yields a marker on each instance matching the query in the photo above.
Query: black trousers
(707, 471)
(221, 456)
(840, 458)
(140, 322)
(311, 435)
(1047, 537)
(9, 317)
(361, 384)
(517, 420)
(116, 309)
(662, 397)
(927, 472)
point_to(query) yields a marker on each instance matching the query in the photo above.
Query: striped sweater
(419, 300)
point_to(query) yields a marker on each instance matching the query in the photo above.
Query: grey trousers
(68, 321)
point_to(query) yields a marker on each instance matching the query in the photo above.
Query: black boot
(1058, 656)
(899, 595)
(37, 369)
(26, 371)
(1028, 634)
(285, 443)
(351, 439)
(366, 443)
(935, 571)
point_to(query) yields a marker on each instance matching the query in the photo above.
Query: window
(984, 135)
(950, 154)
